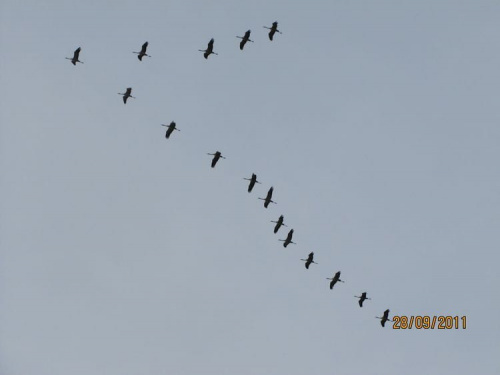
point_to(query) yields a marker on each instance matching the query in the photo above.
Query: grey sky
(124, 253)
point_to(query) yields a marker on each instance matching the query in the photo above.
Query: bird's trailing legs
(249, 179)
(69, 58)
(331, 278)
(305, 260)
(280, 224)
(269, 201)
(122, 94)
(211, 53)
(243, 38)
(169, 125)
(138, 53)
(270, 28)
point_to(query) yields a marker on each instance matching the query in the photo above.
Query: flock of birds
(218, 155)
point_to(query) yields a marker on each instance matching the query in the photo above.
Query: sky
(122, 252)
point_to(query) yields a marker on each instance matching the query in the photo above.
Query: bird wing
(144, 47)
(77, 53)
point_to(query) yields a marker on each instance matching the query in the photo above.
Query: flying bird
(384, 318)
(170, 129)
(268, 198)
(252, 180)
(75, 57)
(126, 95)
(143, 53)
(309, 260)
(216, 157)
(334, 279)
(274, 29)
(288, 240)
(279, 223)
(244, 39)
(210, 49)
(362, 298)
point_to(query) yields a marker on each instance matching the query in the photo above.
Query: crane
(143, 53)
(384, 318)
(362, 298)
(244, 39)
(279, 223)
(216, 158)
(75, 57)
(126, 95)
(274, 29)
(309, 260)
(252, 180)
(170, 129)
(288, 240)
(334, 279)
(268, 198)
(210, 49)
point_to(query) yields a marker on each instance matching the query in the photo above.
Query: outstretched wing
(77, 53)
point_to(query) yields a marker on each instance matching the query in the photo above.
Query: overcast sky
(123, 253)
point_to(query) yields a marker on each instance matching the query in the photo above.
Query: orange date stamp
(429, 322)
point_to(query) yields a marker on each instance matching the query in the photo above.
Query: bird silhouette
(244, 39)
(142, 53)
(210, 49)
(216, 158)
(309, 260)
(75, 57)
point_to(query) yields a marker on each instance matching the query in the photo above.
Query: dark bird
(170, 129)
(274, 29)
(126, 95)
(209, 50)
(309, 260)
(268, 198)
(279, 223)
(252, 180)
(216, 158)
(76, 54)
(143, 53)
(384, 318)
(335, 279)
(288, 239)
(244, 39)
(362, 298)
